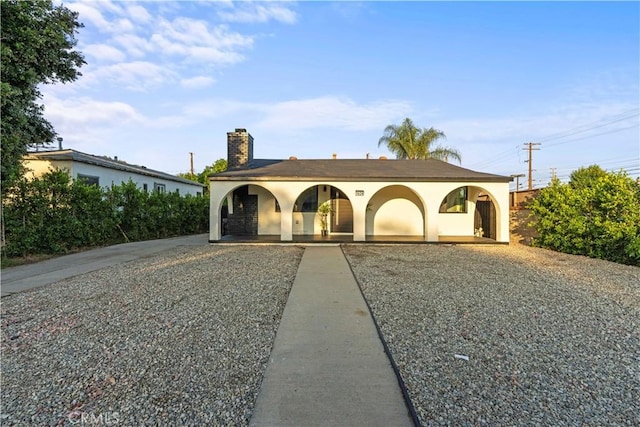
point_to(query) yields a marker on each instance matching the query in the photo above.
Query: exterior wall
(429, 194)
(110, 176)
(395, 210)
(268, 218)
(37, 168)
(457, 224)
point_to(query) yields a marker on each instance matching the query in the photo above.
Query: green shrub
(596, 214)
(53, 214)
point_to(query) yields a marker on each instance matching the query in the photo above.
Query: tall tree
(407, 141)
(37, 41)
(218, 166)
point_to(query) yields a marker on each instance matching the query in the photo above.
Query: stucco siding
(378, 207)
(108, 177)
(268, 218)
(398, 217)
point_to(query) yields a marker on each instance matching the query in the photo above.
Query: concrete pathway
(328, 366)
(23, 277)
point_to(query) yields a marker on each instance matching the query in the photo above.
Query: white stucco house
(371, 199)
(105, 171)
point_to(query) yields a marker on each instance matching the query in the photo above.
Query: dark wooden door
(487, 212)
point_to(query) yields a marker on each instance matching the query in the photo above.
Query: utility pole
(517, 177)
(530, 149)
(191, 154)
(553, 173)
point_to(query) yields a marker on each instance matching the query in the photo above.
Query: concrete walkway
(23, 277)
(328, 366)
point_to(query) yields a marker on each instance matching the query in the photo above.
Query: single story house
(105, 171)
(370, 199)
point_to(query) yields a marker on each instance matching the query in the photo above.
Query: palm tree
(410, 142)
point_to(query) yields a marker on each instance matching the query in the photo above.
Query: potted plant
(324, 210)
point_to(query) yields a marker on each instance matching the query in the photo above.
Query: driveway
(21, 278)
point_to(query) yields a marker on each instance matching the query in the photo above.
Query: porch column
(431, 227)
(286, 221)
(359, 222)
(214, 219)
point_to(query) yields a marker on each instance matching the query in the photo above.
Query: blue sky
(310, 79)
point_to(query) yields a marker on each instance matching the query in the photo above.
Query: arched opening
(395, 210)
(468, 211)
(308, 221)
(484, 224)
(249, 210)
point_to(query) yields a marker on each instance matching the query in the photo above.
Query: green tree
(37, 48)
(596, 214)
(218, 166)
(407, 141)
(586, 177)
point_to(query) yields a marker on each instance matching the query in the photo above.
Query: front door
(342, 217)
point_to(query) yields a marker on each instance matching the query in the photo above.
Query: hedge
(596, 214)
(54, 214)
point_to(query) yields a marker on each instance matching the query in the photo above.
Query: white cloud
(138, 13)
(104, 52)
(70, 112)
(194, 40)
(259, 13)
(315, 113)
(331, 111)
(89, 13)
(134, 45)
(197, 82)
(137, 75)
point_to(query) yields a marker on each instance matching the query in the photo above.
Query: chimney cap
(243, 130)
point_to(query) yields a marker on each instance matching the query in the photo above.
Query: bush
(596, 214)
(53, 214)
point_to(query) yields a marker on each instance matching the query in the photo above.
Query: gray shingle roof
(356, 170)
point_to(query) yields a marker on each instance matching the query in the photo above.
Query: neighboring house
(371, 199)
(105, 171)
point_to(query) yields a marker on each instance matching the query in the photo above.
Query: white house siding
(395, 211)
(108, 176)
(269, 219)
(361, 194)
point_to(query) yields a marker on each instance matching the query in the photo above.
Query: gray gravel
(551, 339)
(182, 338)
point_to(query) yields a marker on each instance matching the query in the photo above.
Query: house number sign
(359, 192)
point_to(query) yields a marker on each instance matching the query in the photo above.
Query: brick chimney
(239, 149)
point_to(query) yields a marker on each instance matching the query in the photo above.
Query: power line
(594, 135)
(590, 126)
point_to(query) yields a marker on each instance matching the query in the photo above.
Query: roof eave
(356, 179)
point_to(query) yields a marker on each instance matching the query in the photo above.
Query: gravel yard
(181, 338)
(552, 339)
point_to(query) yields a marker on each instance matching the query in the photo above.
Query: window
(160, 188)
(455, 202)
(89, 180)
(145, 188)
(308, 201)
(277, 206)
